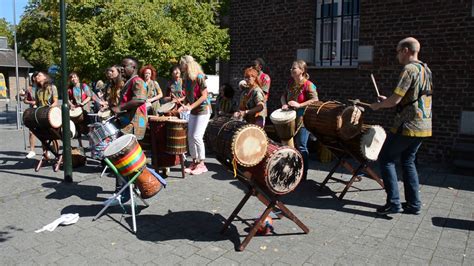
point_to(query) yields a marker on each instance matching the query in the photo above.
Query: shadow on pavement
(5, 234)
(309, 195)
(453, 223)
(16, 174)
(192, 225)
(66, 190)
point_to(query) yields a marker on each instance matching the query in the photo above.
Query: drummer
(112, 88)
(252, 107)
(30, 100)
(131, 112)
(300, 92)
(154, 93)
(80, 95)
(225, 100)
(46, 95)
(197, 102)
(174, 88)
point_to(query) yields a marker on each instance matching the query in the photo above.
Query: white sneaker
(114, 200)
(30, 155)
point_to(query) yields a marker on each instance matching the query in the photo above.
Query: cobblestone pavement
(182, 224)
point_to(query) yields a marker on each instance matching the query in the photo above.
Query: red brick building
(364, 36)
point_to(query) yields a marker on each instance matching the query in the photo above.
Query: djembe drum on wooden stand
(45, 123)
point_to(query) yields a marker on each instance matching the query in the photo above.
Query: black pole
(67, 159)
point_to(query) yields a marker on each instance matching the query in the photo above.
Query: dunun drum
(126, 155)
(284, 122)
(212, 130)
(176, 135)
(148, 184)
(239, 141)
(42, 117)
(333, 119)
(368, 144)
(160, 158)
(280, 171)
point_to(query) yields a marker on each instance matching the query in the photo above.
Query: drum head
(76, 112)
(166, 108)
(250, 145)
(177, 121)
(54, 117)
(72, 128)
(285, 170)
(281, 116)
(155, 118)
(118, 144)
(104, 114)
(372, 141)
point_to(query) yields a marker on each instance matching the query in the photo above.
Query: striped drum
(126, 155)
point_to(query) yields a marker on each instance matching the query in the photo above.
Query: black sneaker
(388, 209)
(409, 209)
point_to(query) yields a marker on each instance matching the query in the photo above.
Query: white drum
(284, 122)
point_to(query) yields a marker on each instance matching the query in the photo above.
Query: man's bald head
(410, 43)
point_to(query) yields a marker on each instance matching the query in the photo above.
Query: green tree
(100, 33)
(6, 31)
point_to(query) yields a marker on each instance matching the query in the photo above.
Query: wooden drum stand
(269, 200)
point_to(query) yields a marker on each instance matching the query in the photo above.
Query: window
(337, 32)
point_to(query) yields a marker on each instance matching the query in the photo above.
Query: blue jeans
(301, 142)
(405, 148)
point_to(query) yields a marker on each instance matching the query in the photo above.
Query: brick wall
(274, 30)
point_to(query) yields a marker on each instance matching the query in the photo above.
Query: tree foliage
(6, 31)
(100, 33)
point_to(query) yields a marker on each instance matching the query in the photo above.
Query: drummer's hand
(284, 107)
(294, 104)
(382, 98)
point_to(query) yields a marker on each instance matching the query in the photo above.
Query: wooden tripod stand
(270, 201)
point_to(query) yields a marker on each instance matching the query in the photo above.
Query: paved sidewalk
(182, 224)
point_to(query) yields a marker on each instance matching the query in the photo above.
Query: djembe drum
(368, 144)
(176, 136)
(280, 171)
(81, 120)
(333, 119)
(127, 156)
(42, 117)
(104, 115)
(239, 142)
(168, 109)
(284, 122)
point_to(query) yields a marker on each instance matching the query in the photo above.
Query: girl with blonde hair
(197, 102)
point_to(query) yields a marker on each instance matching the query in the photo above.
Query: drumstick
(375, 84)
(358, 102)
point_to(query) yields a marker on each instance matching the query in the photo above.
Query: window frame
(337, 18)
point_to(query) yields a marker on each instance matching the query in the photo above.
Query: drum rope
(234, 166)
(36, 117)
